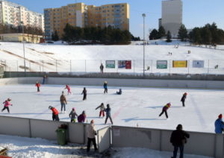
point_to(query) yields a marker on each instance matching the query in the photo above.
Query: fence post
(70, 65)
(208, 66)
(56, 65)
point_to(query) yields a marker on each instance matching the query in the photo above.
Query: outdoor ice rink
(135, 107)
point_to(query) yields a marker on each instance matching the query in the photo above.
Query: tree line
(209, 34)
(20, 29)
(94, 35)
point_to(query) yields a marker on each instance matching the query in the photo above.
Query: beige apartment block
(82, 15)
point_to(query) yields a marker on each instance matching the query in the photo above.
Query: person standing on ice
(108, 114)
(219, 125)
(38, 86)
(164, 110)
(105, 87)
(102, 108)
(84, 93)
(68, 88)
(44, 79)
(73, 115)
(63, 102)
(178, 138)
(183, 98)
(55, 113)
(6, 105)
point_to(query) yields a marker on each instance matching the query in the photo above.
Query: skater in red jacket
(68, 88)
(164, 110)
(54, 113)
(38, 86)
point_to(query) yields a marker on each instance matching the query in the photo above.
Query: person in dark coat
(219, 124)
(164, 110)
(101, 68)
(84, 92)
(108, 114)
(178, 139)
(105, 87)
(183, 98)
(119, 92)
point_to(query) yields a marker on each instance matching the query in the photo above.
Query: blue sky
(196, 13)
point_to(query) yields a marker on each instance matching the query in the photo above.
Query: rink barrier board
(199, 143)
(198, 84)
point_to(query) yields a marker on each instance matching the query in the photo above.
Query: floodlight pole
(24, 52)
(143, 15)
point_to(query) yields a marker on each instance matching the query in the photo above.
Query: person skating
(91, 132)
(183, 98)
(6, 105)
(63, 102)
(73, 115)
(119, 92)
(219, 125)
(84, 93)
(82, 117)
(38, 86)
(68, 89)
(44, 79)
(102, 108)
(108, 114)
(178, 139)
(55, 113)
(105, 87)
(164, 110)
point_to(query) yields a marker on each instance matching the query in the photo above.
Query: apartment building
(82, 15)
(13, 14)
(172, 16)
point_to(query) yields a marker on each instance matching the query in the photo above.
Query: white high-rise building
(172, 16)
(16, 15)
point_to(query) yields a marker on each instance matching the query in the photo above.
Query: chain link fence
(118, 66)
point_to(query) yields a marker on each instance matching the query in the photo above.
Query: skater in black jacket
(183, 98)
(84, 92)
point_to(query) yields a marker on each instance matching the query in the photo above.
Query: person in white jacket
(91, 132)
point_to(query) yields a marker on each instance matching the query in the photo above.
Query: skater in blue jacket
(219, 125)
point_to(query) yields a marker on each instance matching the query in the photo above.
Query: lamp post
(24, 52)
(143, 15)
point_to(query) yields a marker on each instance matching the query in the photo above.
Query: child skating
(38, 86)
(73, 115)
(68, 88)
(164, 110)
(6, 105)
(102, 108)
